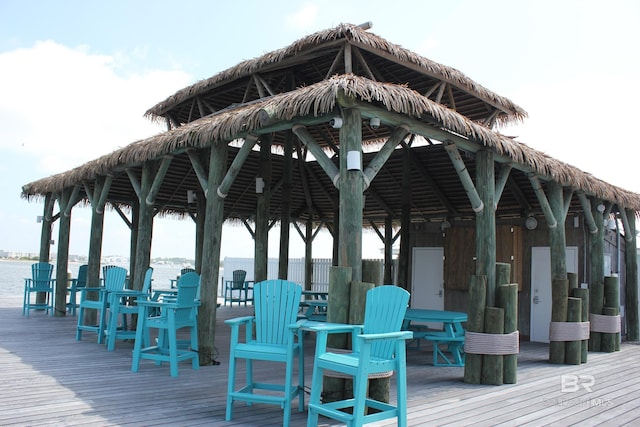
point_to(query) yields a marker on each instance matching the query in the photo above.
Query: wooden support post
(573, 349)
(261, 247)
(405, 222)
(583, 294)
(351, 197)
(558, 251)
(214, 219)
(508, 300)
(631, 278)
(98, 199)
(596, 277)
(475, 323)
(66, 200)
(492, 366)
(612, 305)
(486, 223)
(337, 312)
(45, 237)
(559, 295)
(145, 225)
(372, 271)
(285, 207)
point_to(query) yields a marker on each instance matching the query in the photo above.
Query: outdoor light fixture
(259, 185)
(531, 223)
(354, 160)
(444, 225)
(374, 122)
(336, 122)
(600, 208)
(191, 196)
(39, 218)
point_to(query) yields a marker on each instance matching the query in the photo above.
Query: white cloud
(303, 18)
(67, 106)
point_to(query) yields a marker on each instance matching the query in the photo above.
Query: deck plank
(49, 378)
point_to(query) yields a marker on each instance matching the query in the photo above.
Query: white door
(541, 289)
(427, 278)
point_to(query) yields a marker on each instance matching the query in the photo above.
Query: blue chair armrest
(334, 328)
(239, 320)
(401, 335)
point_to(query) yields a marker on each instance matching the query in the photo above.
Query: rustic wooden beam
(135, 182)
(631, 267)
(201, 173)
(325, 163)
(214, 218)
(348, 61)
(542, 199)
(351, 197)
(123, 216)
(261, 93)
(236, 165)
(363, 63)
(73, 199)
(285, 206)
(261, 241)
(335, 63)
(588, 216)
(264, 84)
(461, 169)
(596, 271)
(384, 153)
(503, 176)
(486, 222)
(441, 90)
(567, 196)
(452, 101)
(558, 251)
(158, 179)
(66, 200)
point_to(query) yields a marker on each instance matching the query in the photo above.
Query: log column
(214, 218)
(351, 187)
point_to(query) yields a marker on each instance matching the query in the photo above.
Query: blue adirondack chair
(121, 304)
(79, 282)
(378, 347)
(237, 290)
(40, 282)
(174, 314)
(277, 339)
(114, 280)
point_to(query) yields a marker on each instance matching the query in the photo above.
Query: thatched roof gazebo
(268, 140)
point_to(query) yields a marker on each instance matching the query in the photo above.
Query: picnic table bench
(451, 335)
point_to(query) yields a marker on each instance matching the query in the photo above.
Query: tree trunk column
(351, 187)
(486, 223)
(211, 255)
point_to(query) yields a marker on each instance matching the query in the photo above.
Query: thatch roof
(314, 105)
(314, 57)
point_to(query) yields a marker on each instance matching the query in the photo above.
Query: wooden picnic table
(451, 334)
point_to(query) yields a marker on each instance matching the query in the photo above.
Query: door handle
(536, 300)
(440, 293)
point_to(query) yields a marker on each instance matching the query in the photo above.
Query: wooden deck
(48, 378)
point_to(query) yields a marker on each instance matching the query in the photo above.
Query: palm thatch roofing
(344, 49)
(436, 189)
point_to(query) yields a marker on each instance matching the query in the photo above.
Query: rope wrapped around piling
(493, 344)
(568, 331)
(605, 324)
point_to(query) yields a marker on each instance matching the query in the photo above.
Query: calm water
(13, 273)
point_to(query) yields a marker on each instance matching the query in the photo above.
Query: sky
(76, 77)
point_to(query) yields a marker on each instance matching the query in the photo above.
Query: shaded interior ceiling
(435, 188)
